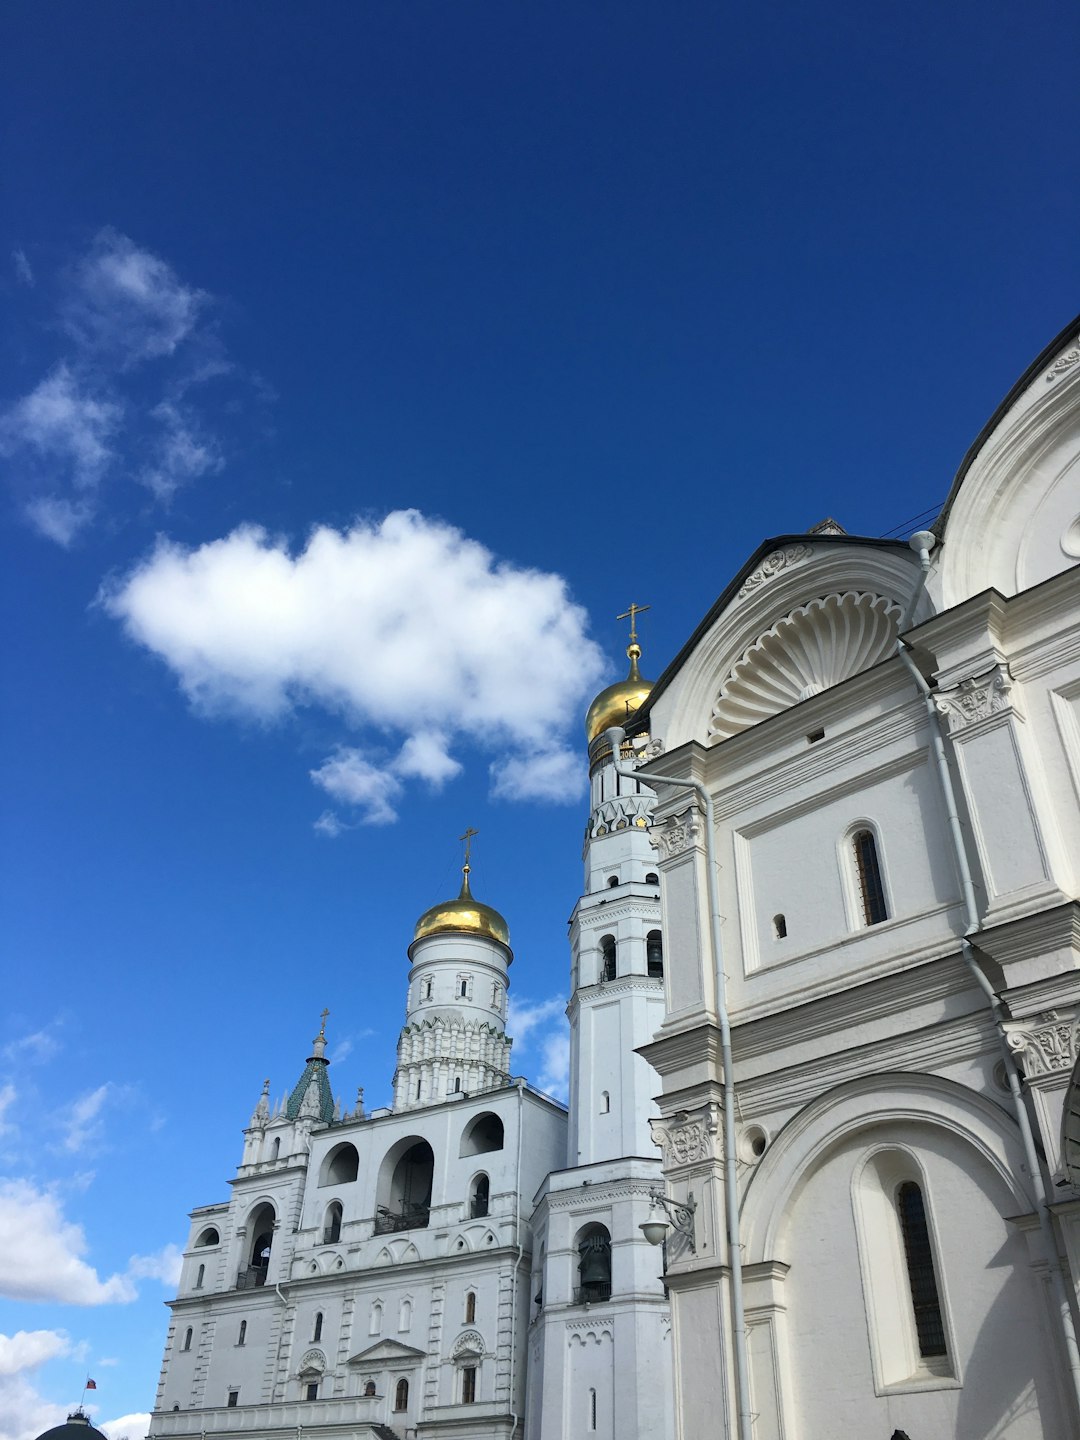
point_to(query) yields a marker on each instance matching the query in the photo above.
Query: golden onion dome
(463, 916)
(616, 704)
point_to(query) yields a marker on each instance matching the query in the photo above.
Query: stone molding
(604, 1191)
(976, 698)
(1048, 1048)
(772, 565)
(677, 834)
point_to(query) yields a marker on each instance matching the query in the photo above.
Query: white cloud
(41, 1253)
(23, 273)
(128, 303)
(59, 519)
(330, 825)
(27, 1349)
(128, 1427)
(24, 1413)
(538, 1027)
(349, 778)
(405, 625)
(426, 757)
(64, 422)
(553, 776)
(164, 1266)
(554, 1077)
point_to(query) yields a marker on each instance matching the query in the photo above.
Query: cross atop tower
(631, 615)
(468, 838)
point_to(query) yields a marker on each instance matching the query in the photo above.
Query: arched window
(419, 1087)
(919, 1256)
(275, 1148)
(332, 1223)
(652, 878)
(484, 1134)
(200, 1277)
(868, 874)
(605, 1102)
(209, 1236)
(369, 1388)
(316, 1329)
(260, 1227)
(594, 1265)
(241, 1339)
(607, 957)
(403, 1199)
(401, 1395)
(187, 1339)
(425, 990)
(470, 1308)
(404, 1315)
(654, 954)
(779, 925)
(341, 1166)
(480, 1198)
(612, 881)
(375, 1320)
(463, 989)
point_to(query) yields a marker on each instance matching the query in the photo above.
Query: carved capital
(677, 834)
(688, 1136)
(975, 699)
(1049, 1047)
(1062, 364)
(772, 565)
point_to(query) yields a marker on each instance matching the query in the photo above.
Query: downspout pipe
(615, 737)
(922, 542)
(514, 1416)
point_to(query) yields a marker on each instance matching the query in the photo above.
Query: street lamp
(680, 1218)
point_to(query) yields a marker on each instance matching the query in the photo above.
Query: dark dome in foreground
(75, 1427)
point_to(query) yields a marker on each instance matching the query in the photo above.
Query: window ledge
(921, 1380)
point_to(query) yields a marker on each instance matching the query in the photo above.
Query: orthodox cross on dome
(631, 615)
(322, 1027)
(468, 838)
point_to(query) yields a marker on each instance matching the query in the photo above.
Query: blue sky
(359, 364)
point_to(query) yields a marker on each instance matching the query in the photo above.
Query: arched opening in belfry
(404, 1195)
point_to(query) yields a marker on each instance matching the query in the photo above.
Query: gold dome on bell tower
(616, 704)
(464, 915)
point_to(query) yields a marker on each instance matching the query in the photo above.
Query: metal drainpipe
(615, 737)
(514, 1417)
(921, 543)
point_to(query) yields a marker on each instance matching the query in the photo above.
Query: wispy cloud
(539, 1031)
(34, 1048)
(126, 399)
(23, 272)
(8, 1096)
(83, 1122)
(403, 625)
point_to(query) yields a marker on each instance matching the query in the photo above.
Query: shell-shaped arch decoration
(827, 640)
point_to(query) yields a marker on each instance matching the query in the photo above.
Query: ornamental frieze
(1062, 364)
(687, 1137)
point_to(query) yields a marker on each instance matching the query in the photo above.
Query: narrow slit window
(605, 1103)
(919, 1255)
(779, 925)
(868, 870)
(592, 1409)
(607, 957)
(187, 1340)
(200, 1277)
(316, 1333)
(470, 1308)
(242, 1337)
(468, 1385)
(654, 955)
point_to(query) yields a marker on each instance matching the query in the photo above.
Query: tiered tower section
(454, 1039)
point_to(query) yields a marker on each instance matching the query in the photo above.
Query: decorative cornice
(772, 565)
(587, 1197)
(1049, 1048)
(621, 813)
(976, 698)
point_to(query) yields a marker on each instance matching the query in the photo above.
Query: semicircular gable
(1013, 519)
(887, 573)
(814, 647)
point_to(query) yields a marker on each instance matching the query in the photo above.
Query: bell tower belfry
(600, 1357)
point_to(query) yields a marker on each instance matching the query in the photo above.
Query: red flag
(91, 1384)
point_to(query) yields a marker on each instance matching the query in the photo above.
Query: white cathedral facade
(825, 994)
